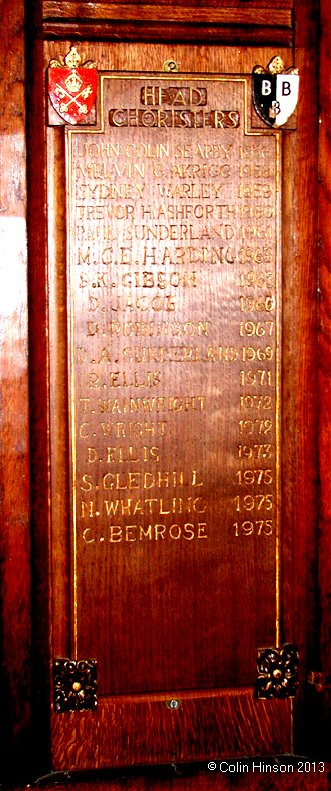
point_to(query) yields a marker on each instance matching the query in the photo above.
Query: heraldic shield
(72, 87)
(275, 92)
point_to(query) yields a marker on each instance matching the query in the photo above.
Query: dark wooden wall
(324, 381)
(14, 420)
(233, 22)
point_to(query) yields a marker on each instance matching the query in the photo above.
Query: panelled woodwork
(148, 708)
(324, 378)
(155, 734)
(113, 56)
(325, 319)
(299, 393)
(223, 37)
(15, 637)
(233, 22)
(38, 339)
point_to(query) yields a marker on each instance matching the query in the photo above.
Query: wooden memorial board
(173, 282)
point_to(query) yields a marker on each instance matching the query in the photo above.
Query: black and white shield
(275, 97)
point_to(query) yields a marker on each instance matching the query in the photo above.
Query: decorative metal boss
(277, 672)
(75, 684)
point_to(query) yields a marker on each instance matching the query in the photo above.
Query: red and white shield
(73, 92)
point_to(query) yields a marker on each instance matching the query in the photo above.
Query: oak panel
(133, 731)
(58, 392)
(119, 57)
(190, 58)
(168, 33)
(15, 611)
(39, 389)
(111, 21)
(59, 6)
(325, 332)
(115, 55)
(205, 14)
(300, 364)
(324, 375)
(301, 480)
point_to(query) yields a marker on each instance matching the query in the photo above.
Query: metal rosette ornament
(75, 684)
(277, 672)
(275, 92)
(72, 87)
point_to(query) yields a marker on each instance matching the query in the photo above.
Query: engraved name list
(173, 271)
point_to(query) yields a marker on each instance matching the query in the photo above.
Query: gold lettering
(129, 533)
(175, 532)
(88, 536)
(84, 431)
(134, 429)
(150, 405)
(202, 530)
(153, 505)
(87, 480)
(91, 455)
(184, 118)
(156, 532)
(115, 533)
(87, 509)
(167, 479)
(145, 533)
(164, 245)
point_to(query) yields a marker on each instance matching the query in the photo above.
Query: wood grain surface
(155, 13)
(57, 7)
(231, 60)
(300, 615)
(220, 60)
(106, 57)
(177, 502)
(299, 344)
(144, 731)
(193, 58)
(185, 22)
(14, 420)
(39, 388)
(58, 395)
(324, 379)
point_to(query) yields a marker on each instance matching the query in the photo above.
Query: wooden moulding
(111, 21)
(61, 6)
(14, 418)
(299, 396)
(325, 335)
(267, 17)
(171, 32)
(38, 393)
(166, 734)
(324, 377)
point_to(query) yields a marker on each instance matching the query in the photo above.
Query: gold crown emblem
(73, 82)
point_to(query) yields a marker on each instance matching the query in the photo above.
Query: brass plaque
(174, 337)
